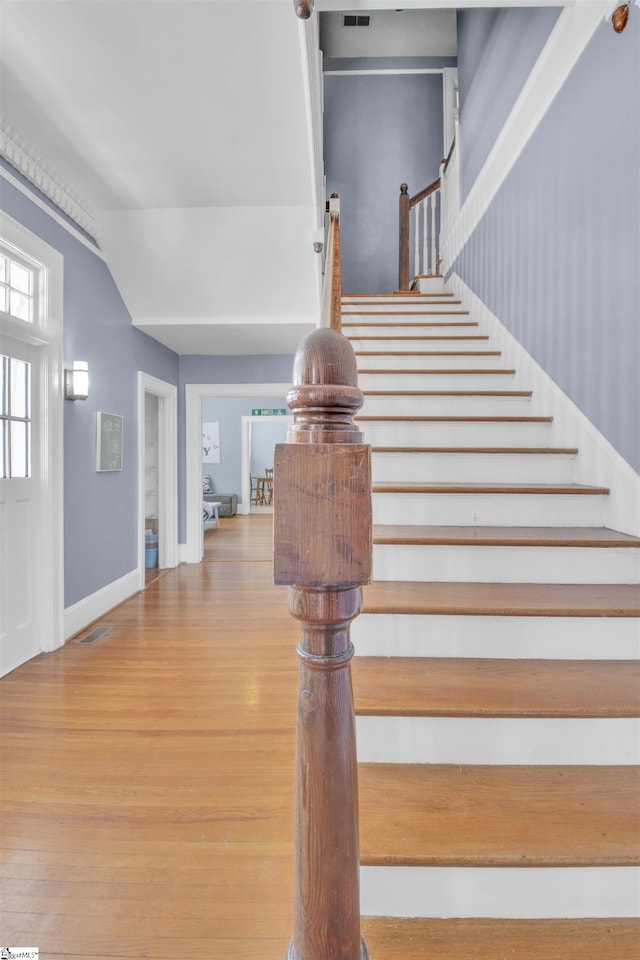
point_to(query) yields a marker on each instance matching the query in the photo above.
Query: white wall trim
(25, 191)
(81, 614)
(21, 155)
(195, 393)
(598, 462)
(568, 39)
(167, 394)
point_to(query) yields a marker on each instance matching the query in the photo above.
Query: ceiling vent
(350, 20)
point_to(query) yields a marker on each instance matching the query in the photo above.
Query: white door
(20, 504)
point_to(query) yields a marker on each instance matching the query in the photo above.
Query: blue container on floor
(150, 549)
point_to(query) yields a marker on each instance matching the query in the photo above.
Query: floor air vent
(94, 635)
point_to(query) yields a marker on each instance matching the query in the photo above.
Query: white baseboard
(598, 462)
(91, 608)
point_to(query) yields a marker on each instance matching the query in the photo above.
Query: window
(17, 287)
(15, 418)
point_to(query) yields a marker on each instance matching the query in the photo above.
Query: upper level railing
(426, 229)
(322, 551)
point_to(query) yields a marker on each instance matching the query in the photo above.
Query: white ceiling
(182, 124)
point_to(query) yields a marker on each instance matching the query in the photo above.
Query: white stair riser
(452, 361)
(500, 564)
(431, 285)
(472, 467)
(416, 406)
(460, 433)
(441, 381)
(498, 740)
(410, 310)
(511, 510)
(445, 340)
(435, 326)
(393, 298)
(517, 638)
(509, 892)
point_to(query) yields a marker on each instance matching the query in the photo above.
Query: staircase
(497, 676)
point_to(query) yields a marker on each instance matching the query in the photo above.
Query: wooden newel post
(403, 239)
(322, 531)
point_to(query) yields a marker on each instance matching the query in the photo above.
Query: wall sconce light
(76, 381)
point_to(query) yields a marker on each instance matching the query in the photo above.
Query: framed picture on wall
(109, 442)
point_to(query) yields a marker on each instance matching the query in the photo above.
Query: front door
(20, 504)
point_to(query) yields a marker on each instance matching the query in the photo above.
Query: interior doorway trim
(195, 393)
(167, 395)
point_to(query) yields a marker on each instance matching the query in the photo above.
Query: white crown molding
(21, 155)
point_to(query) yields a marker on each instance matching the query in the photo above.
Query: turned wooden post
(403, 240)
(322, 537)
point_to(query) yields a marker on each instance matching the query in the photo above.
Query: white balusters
(433, 262)
(416, 239)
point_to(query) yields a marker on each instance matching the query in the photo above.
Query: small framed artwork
(109, 442)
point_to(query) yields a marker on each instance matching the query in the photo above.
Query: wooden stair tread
(419, 938)
(394, 295)
(425, 336)
(504, 536)
(561, 489)
(409, 323)
(476, 371)
(424, 353)
(460, 687)
(406, 313)
(427, 419)
(414, 353)
(433, 299)
(565, 451)
(481, 394)
(503, 599)
(472, 815)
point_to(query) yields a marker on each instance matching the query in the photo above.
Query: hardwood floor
(147, 779)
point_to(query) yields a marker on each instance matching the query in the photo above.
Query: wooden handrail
(424, 193)
(407, 203)
(331, 315)
(322, 551)
(445, 162)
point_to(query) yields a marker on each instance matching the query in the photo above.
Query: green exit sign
(268, 413)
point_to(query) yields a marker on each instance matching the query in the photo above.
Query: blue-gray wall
(380, 131)
(496, 50)
(100, 509)
(556, 257)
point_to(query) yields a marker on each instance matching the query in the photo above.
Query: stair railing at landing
(428, 209)
(322, 552)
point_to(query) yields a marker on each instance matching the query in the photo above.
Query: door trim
(167, 394)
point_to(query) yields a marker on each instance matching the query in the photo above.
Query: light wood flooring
(147, 779)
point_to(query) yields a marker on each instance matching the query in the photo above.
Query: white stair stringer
(443, 431)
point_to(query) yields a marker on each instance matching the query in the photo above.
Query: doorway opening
(157, 477)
